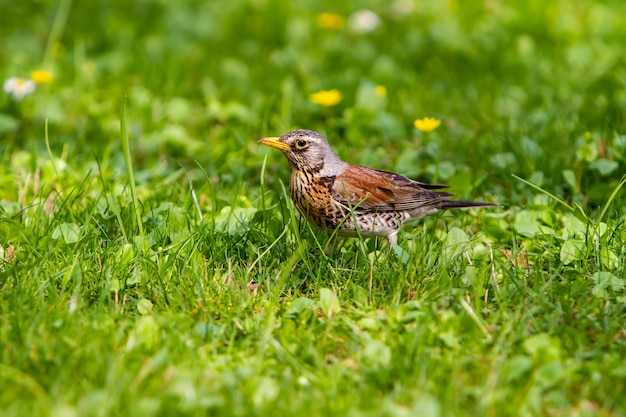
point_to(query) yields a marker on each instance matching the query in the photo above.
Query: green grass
(151, 262)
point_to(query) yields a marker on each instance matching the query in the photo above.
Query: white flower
(403, 7)
(19, 87)
(363, 21)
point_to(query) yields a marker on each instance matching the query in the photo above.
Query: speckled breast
(311, 195)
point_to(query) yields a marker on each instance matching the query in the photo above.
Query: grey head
(307, 150)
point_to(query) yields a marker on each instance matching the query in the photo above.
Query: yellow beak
(274, 143)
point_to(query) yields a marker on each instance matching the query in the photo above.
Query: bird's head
(307, 150)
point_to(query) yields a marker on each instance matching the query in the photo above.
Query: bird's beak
(274, 143)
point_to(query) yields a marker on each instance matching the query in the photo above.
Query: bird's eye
(301, 144)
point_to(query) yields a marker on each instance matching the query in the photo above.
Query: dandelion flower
(19, 87)
(41, 76)
(363, 21)
(331, 21)
(381, 91)
(326, 98)
(427, 124)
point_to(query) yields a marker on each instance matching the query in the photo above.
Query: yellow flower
(326, 98)
(331, 21)
(41, 76)
(381, 91)
(427, 124)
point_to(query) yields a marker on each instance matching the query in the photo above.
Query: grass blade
(129, 168)
(541, 190)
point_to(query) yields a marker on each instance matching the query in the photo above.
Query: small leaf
(503, 161)
(266, 391)
(114, 285)
(605, 167)
(376, 353)
(572, 250)
(8, 123)
(401, 253)
(299, 305)
(526, 224)
(146, 333)
(69, 232)
(587, 152)
(234, 220)
(450, 339)
(537, 178)
(609, 258)
(426, 406)
(580, 214)
(605, 282)
(550, 374)
(516, 368)
(329, 302)
(574, 227)
(144, 306)
(531, 148)
(455, 242)
(369, 323)
(542, 347)
(570, 179)
(126, 254)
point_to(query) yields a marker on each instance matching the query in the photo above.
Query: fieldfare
(354, 200)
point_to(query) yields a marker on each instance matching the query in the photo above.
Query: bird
(355, 200)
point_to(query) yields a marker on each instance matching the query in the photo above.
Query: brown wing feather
(368, 189)
(421, 184)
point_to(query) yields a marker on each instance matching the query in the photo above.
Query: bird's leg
(392, 239)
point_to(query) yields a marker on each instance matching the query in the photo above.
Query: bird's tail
(446, 204)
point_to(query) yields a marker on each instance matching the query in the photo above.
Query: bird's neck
(330, 166)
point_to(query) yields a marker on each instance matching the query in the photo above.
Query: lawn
(152, 264)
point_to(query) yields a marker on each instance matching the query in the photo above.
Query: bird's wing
(366, 189)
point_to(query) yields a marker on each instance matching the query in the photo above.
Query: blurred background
(178, 280)
(528, 88)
